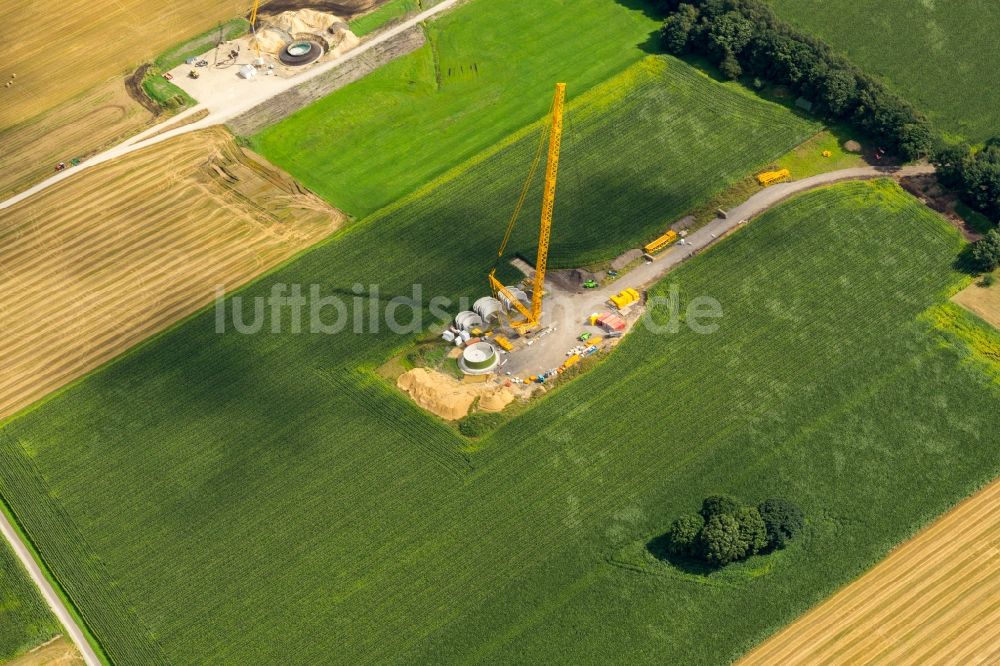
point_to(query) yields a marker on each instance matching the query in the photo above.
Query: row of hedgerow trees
(726, 530)
(975, 175)
(745, 37)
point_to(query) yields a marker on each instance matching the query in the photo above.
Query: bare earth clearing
(934, 600)
(104, 260)
(983, 301)
(57, 652)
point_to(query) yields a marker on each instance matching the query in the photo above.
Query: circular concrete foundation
(301, 52)
(479, 359)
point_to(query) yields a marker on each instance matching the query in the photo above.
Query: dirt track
(95, 265)
(102, 117)
(934, 600)
(59, 652)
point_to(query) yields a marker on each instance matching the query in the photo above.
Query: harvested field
(59, 49)
(102, 261)
(934, 600)
(984, 301)
(59, 651)
(102, 116)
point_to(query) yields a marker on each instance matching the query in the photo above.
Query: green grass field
(266, 498)
(393, 9)
(25, 620)
(939, 55)
(486, 71)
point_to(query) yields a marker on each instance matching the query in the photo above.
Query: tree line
(745, 37)
(975, 175)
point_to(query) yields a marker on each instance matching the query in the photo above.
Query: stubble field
(98, 263)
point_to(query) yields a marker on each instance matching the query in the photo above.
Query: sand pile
(448, 398)
(277, 31)
(302, 20)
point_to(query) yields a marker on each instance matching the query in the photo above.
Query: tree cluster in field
(745, 37)
(726, 531)
(975, 175)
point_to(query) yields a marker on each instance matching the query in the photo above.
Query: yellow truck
(772, 177)
(660, 243)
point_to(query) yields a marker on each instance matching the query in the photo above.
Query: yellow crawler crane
(253, 29)
(531, 318)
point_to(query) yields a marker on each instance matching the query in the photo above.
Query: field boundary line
(48, 592)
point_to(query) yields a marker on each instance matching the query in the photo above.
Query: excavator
(531, 317)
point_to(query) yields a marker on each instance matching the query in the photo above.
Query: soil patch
(982, 301)
(60, 651)
(133, 84)
(931, 193)
(346, 8)
(450, 398)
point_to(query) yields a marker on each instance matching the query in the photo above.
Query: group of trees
(745, 37)
(726, 531)
(975, 175)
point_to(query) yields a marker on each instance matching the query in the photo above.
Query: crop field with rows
(485, 72)
(940, 55)
(639, 151)
(328, 516)
(25, 620)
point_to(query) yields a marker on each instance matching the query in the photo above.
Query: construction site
(278, 45)
(521, 338)
(465, 246)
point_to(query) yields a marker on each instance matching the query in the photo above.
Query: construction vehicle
(586, 335)
(772, 177)
(503, 342)
(590, 284)
(531, 318)
(660, 243)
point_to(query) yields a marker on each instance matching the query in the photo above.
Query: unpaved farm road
(567, 310)
(49, 594)
(256, 92)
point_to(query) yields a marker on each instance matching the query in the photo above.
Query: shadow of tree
(659, 547)
(965, 263)
(647, 7)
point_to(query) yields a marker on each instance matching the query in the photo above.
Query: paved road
(566, 310)
(50, 596)
(255, 93)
